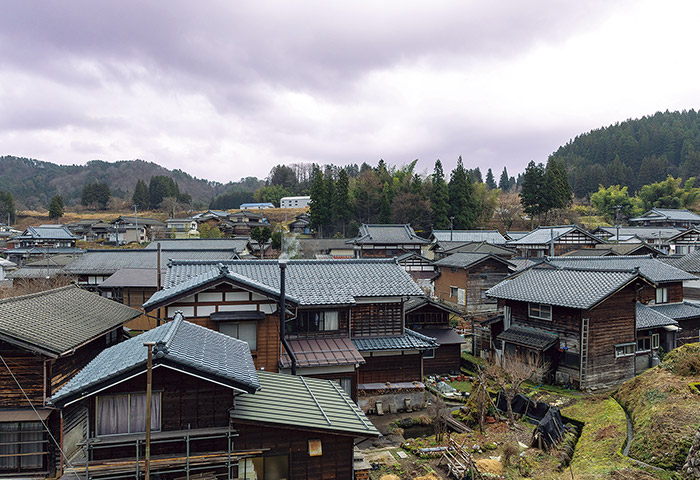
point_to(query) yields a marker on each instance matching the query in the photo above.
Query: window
(643, 344)
(18, 441)
(246, 331)
(624, 350)
(345, 385)
(429, 353)
(454, 291)
(662, 295)
(126, 413)
(316, 321)
(540, 310)
(264, 468)
(655, 341)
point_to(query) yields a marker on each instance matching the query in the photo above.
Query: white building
(295, 202)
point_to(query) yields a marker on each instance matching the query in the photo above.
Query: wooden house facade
(667, 217)
(342, 315)
(40, 353)
(386, 241)
(211, 413)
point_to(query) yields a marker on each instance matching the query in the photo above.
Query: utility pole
(149, 381)
(136, 219)
(452, 219)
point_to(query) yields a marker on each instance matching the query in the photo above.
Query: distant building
(667, 217)
(245, 206)
(295, 202)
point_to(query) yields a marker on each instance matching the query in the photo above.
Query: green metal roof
(311, 403)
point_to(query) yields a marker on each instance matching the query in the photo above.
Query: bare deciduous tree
(510, 370)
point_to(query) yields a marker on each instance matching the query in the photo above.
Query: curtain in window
(9, 433)
(32, 432)
(112, 415)
(330, 320)
(138, 412)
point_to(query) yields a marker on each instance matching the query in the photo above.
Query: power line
(39, 417)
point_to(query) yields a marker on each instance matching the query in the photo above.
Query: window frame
(624, 347)
(655, 341)
(239, 323)
(664, 295)
(154, 395)
(429, 353)
(643, 344)
(538, 308)
(305, 320)
(454, 291)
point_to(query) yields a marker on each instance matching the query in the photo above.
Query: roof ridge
(38, 294)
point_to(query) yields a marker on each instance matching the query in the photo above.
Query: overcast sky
(225, 90)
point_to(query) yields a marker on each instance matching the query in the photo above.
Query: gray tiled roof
(387, 234)
(221, 272)
(544, 235)
(53, 232)
(668, 214)
(409, 341)
(36, 272)
(678, 311)
(488, 236)
(581, 289)
(515, 235)
(415, 303)
(304, 402)
(651, 318)
(529, 337)
(689, 263)
(467, 259)
(312, 282)
(106, 262)
(132, 277)
(237, 244)
(56, 321)
(651, 268)
(479, 247)
(523, 263)
(212, 354)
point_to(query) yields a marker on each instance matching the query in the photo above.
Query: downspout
(283, 315)
(158, 281)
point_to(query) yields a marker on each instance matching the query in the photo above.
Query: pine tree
(490, 181)
(504, 182)
(439, 198)
(141, 195)
(531, 193)
(56, 207)
(462, 206)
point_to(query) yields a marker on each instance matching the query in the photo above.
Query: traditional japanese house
(377, 241)
(346, 319)
(590, 318)
(45, 339)
(667, 217)
(433, 320)
(241, 223)
(421, 269)
(237, 245)
(684, 242)
(211, 413)
(301, 224)
(335, 248)
(181, 227)
(689, 263)
(464, 278)
(554, 241)
(447, 239)
(133, 287)
(656, 236)
(136, 229)
(41, 241)
(444, 249)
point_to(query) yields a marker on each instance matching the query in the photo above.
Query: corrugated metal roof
(651, 268)
(409, 341)
(61, 319)
(311, 282)
(322, 352)
(237, 244)
(581, 289)
(212, 354)
(107, 262)
(488, 236)
(650, 318)
(304, 402)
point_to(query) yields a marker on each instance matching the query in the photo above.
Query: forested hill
(634, 152)
(33, 182)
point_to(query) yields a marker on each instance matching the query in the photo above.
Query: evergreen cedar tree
(96, 194)
(490, 181)
(56, 207)
(545, 188)
(462, 205)
(141, 196)
(161, 187)
(7, 207)
(439, 198)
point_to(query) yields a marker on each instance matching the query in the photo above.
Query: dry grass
(26, 287)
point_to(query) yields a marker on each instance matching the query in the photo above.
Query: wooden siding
(428, 316)
(473, 281)
(198, 307)
(64, 368)
(135, 297)
(29, 370)
(334, 464)
(395, 368)
(447, 360)
(377, 319)
(675, 292)
(342, 325)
